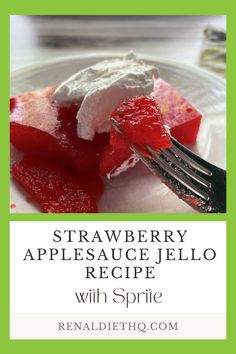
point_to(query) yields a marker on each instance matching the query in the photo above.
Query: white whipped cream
(101, 87)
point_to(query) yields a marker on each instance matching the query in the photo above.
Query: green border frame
(123, 7)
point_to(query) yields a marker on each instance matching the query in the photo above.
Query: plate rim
(158, 59)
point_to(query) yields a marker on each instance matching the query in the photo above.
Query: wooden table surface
(35, 39)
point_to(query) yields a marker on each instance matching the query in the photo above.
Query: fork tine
(176, 149)
(178, 168)
(163, 164)
(172, 158)
(177, 175)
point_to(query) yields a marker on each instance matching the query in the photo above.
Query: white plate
(137, 190)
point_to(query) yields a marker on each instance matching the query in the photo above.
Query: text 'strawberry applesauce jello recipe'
(66, 137)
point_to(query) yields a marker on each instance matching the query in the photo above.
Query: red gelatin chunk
(113, 158)
(93, 183)
(39, 127)
(183, 119)
(33, 141)
(53, 188)
(140, 120)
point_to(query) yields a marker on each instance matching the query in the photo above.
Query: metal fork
(199, 183)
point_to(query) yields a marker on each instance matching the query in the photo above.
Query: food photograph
(118, 114)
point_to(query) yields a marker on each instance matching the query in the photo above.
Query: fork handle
(217, 201)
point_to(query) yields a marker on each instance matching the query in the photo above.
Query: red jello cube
(178, 114)
(53, 188)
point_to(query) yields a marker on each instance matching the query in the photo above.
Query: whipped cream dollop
(101, 87)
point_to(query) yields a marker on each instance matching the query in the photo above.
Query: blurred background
(197, 40)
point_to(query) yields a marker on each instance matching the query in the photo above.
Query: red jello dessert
(61, 171)
(38, 127)
(178, 114)
(53, 188)
(42, 130)
(140, 120)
